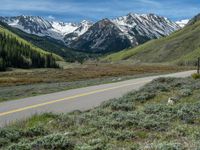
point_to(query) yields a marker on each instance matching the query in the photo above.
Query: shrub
(154, 122)
(168, 146)
(185, 92)
(144, 96)
(35, 131)
(116, 106)
(188, 113)
(196, 76)
(20, 146)
(9, 135)
(53, 142)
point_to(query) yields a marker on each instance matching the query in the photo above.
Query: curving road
(76, 99)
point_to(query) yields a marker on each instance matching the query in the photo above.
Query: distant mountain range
(107, 35)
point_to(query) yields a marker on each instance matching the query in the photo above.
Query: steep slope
(17, 52)
(52, 45)
(82, 28)
(182, 47)
(150, 26)
(102, 37)
(41, 27)
(128, 31)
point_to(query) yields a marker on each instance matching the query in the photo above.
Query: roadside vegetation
(21, 83)
(139, 120)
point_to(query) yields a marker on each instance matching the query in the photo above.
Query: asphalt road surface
(76, 99)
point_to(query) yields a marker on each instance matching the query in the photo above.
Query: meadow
(20, 83)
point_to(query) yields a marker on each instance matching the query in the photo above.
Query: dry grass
(89, 71)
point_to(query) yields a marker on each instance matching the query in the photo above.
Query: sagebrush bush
(185, 92)
(20, 146)
(188, 113)
(196, 76)
(168, 146)
(116, 106)
(53, 142)
(144, 96)
(35, 131)
(8, 135)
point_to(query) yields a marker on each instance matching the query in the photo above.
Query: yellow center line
(67, 98)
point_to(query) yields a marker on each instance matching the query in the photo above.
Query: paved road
(76, 99)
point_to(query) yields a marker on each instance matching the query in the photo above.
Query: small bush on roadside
(53, 142)
(144, 96)
(154, 122)
(188, 113)
(20, 146)
(116, 106)
(8, 135)
(35, 131)
(168, 146)
(185, 92)
(196, 76)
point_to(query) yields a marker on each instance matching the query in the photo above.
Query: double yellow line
(67, 98)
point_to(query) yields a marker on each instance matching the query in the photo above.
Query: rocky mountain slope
(106, 35)
(124, 32)
(39, 26)
(181, 47)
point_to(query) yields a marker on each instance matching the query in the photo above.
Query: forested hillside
(16, 52)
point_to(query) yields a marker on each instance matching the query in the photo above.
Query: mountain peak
(182, 23)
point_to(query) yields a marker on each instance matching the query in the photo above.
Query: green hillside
(182, 47)
(17, 52)
(52, 45)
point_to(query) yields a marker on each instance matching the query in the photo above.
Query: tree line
(17, 54)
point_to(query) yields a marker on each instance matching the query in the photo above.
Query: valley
(21, 83)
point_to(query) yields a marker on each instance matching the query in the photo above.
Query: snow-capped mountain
(182, 23)
(146, 25)
(80, 30)
(42, 27)
(123, 32)
(104, 36)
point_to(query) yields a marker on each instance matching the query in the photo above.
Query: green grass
(181, 47)
(138, 120)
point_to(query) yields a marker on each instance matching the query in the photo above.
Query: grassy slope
(138, 120)
(6, 31)
(51, 45)
(181, 47)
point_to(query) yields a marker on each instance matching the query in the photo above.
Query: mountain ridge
(137, 28)
(181, 47)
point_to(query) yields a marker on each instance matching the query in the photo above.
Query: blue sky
(76, 10)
